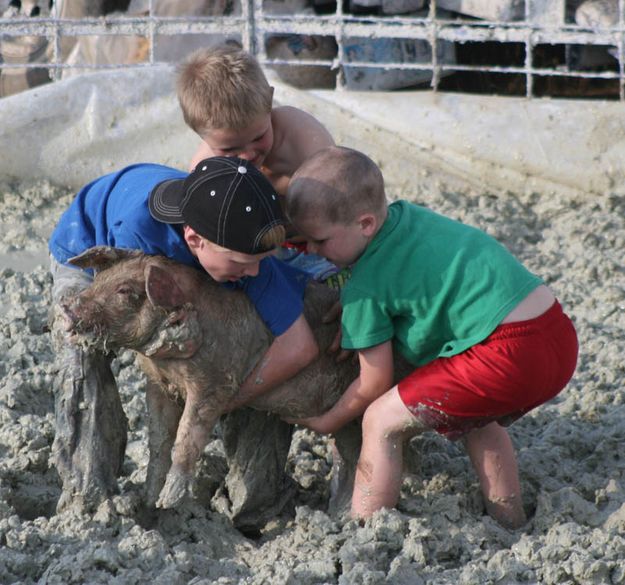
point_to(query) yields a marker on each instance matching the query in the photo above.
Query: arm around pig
(376, 377)
(289, 353)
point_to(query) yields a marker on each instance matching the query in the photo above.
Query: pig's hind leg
(345, 453)
(256, 445)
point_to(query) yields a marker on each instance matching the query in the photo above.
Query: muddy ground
(571, 450)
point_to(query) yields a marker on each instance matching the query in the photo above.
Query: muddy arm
(289, 353)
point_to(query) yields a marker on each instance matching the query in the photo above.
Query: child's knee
(375, 420)
(378, 422)
(390, 420)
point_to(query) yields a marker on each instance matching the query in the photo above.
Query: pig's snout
(68, 313)
(77, 319)
(64, 318)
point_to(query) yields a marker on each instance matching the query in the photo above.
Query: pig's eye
(127, 295)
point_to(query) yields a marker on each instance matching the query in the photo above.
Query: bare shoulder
(203, 151)
(298, 135)
(291, 114)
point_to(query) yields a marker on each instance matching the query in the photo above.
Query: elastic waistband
(552, 316)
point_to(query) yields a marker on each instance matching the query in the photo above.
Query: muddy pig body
(197, 342)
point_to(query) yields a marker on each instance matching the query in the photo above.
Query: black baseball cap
(226, 200)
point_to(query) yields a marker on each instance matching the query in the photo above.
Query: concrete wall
(74, 130)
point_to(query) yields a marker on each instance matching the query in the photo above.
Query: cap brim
(165, 201)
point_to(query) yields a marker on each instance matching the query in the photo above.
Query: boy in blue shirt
(203, 219)
(488, 340)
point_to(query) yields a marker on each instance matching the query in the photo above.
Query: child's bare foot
(507, 511)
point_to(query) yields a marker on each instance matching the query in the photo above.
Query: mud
(570, 450)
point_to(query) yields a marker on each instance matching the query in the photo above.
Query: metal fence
(449, 51)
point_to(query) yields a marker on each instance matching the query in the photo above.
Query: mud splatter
(570, 450)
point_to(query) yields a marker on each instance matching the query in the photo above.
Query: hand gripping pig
(196, 342)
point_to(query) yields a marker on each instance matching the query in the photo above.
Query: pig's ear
(162, 289)
(102, 257)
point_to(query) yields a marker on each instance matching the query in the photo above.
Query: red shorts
(518, 367)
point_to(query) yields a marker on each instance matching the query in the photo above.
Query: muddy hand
(334, 314)
(177, 487)
(320, 424)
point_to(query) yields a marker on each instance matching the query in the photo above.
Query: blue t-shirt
(113, 211)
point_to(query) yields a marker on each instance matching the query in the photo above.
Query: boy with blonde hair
(488, 339)
(226, 98)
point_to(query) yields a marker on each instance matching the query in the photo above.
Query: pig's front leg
(197, 422)
(164, 415)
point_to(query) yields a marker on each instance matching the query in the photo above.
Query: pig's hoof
(176, 488)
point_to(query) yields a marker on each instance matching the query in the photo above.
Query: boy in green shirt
(488, 339)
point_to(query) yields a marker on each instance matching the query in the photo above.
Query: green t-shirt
(433, 285)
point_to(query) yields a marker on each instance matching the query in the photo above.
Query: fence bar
(253, 26)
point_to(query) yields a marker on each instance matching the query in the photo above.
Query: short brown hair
(222, 87)
(336, 184)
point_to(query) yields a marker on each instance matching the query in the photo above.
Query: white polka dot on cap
(242, 170)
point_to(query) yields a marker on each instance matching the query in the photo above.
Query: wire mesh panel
(533, 48)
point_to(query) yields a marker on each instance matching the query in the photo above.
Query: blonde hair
(275, 236)
(336, 184)
(222, 87)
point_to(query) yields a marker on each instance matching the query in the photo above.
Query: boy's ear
(368, 224)
(192, 238)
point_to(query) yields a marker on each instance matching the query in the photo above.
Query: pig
(197, 341)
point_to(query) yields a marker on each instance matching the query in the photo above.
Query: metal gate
(531, 48)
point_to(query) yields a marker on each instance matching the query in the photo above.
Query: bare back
(296, 136)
